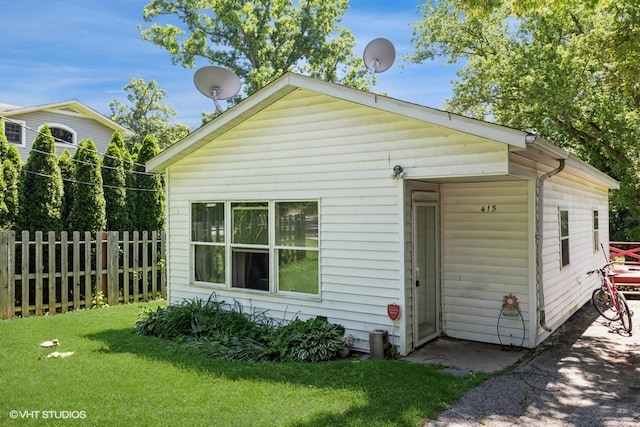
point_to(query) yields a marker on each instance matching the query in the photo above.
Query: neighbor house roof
(72, 106)
(518, 140)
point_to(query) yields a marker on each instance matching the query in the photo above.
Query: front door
(426, 307)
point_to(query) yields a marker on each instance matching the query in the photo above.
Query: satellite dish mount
(379, 55)
(216, 83)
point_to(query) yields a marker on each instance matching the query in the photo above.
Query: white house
(70, 122)
(309, 198)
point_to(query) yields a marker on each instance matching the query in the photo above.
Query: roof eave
(126, 133)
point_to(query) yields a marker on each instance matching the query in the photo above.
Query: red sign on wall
(393, 311)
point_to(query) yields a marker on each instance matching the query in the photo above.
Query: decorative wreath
(510, 302)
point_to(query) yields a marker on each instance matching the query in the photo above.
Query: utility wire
(91, 183)
(62, 141)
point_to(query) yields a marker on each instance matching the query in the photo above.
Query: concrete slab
(462, 357)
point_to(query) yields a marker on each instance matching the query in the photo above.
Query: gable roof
(291, 82)
(525, 143)
(72, 106)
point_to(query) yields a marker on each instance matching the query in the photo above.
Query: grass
(118, 378)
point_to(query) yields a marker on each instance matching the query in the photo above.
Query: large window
(273, 246)
(564, 237)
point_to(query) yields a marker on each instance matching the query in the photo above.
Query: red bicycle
(608, 301)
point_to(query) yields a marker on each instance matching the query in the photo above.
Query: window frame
(74, 134)
(234, 249)
(193, 243)
(565, 246)
(596, 230)
(23, 131)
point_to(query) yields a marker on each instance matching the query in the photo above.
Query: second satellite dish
(216, 83)
(379, 55)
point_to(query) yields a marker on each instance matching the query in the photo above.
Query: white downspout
(539, 235)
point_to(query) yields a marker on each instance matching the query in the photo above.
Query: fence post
(112, 255)
(6, 303)
(51, 271)
(38, 267)
(24, 282)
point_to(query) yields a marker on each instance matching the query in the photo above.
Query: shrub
(227, 332)
(40, 201)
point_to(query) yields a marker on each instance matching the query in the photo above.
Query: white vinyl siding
(309, 146)
(567, 288)
(485, 255)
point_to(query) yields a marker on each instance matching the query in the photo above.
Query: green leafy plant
(99, 300)
(228, 332)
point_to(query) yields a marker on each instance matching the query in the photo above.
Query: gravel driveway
(586, 374)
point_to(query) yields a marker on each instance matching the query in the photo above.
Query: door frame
(426, 198)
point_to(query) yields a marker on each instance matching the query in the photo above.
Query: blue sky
(88, 50)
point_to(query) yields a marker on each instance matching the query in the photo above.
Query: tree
(146, 114)
(149, 190)
(40, 200)
(67, 171)
(11, 168)
(259, 40)
(114, 180)
(566, 70)
(88, 212)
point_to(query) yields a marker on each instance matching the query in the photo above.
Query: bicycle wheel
(625, 314)
(602, 302)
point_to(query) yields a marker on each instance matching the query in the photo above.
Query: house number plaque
(488, 208)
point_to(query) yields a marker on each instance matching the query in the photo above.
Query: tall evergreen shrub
(150, 190)
(130, 180)
(88, 212)
(114, 179)
(67, 170)
(11, 170)
(41, 187)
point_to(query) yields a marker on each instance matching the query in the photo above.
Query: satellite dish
(216, 83)
(379, 55)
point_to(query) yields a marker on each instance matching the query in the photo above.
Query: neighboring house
(312, 199)
(70, 122)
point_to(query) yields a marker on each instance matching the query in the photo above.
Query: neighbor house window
(564, 237)
(62, 134)
(15, 131)
(208, 242)
(272, 246)
(596, 232)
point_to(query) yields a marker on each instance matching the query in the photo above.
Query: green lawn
(118, 378)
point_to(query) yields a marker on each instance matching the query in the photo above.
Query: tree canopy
(563, 69)
(146, 114)
(259, 40)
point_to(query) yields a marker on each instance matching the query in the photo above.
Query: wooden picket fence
(49, 275)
